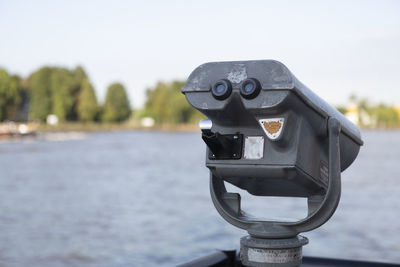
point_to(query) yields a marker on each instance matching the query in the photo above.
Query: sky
(337, 48)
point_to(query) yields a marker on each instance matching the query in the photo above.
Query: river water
(141, 199)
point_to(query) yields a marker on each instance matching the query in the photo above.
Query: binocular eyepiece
(222, 89)
(270, 135)
(249, 89)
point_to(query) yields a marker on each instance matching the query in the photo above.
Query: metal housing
(296, 163)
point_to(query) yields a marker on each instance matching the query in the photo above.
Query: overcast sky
(335, 47)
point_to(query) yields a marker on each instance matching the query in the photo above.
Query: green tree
(9, 95)
(79, 74)
(61, 82)
(116, 106)
(342, 109)
(87, 104)
(166, 104)
(55, 90)
(385, 116)
(78, 77)
(158, 103)
(40, 94)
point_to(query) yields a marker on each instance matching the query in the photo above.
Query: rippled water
(141, 199)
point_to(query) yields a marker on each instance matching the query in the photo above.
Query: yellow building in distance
(360, 117)
(352, 114)
(397, 108)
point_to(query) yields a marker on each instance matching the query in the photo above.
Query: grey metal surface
(205, 124)
(259, 252)
(230, 259)
(274, 229)
(272, 75)
(218, 258)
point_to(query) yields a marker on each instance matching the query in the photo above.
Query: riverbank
(35, 128)
(76, 130)
(132, 125)
(125, 126)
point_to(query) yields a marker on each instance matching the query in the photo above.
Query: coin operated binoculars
(270, 135)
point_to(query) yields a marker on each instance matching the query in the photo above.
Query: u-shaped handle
(270, 229)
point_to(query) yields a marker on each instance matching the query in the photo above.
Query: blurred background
(101, 159)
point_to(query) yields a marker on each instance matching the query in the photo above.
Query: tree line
(69, 94)
(12, 93)
(66, 93)
(166, 104)
(373, 116)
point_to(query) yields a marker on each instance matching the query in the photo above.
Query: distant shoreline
(135, 126)
(70, 131)
(103, 127)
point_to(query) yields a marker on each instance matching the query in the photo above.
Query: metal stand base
(260, 252)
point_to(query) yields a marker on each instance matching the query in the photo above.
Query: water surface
(141, 199)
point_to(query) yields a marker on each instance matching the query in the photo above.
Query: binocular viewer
(270, 135)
